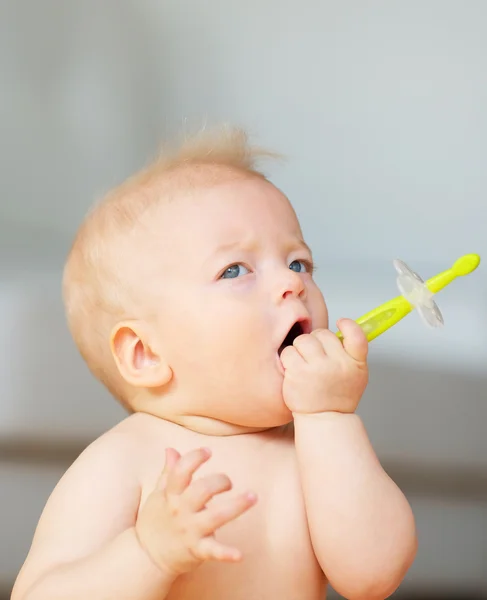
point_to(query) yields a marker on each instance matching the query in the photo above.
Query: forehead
(220, 215)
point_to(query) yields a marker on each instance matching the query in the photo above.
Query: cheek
(217, 335)
(239, 332)
(219, 328)
(238, 338)
(319, 311)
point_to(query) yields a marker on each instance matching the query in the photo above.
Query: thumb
(172, 458)
(354, 339)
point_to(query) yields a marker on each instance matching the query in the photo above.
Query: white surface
(24, 491)
(452, 544)
(45, 387)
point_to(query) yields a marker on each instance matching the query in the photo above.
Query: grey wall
(380, 107)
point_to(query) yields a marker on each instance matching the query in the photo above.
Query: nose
(290, 284)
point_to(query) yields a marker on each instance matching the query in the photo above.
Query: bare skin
(99, 499)
(146, 513)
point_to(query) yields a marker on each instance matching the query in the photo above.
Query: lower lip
(279, 363)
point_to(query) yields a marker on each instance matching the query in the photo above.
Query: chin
(269, 417)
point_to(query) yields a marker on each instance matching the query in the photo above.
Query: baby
(242, 472)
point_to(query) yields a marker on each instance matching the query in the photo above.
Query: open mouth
(296, 330)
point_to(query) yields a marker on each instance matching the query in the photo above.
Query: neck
(170, 411)
(209, 426)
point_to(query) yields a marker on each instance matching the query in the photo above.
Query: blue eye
(234, 271)
(300, 266)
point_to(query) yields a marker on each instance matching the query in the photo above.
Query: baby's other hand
(175, 527)
(321, 374)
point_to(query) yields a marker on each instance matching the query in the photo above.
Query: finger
(209, 549)
(215, 517)
(172, 457)
(308, 346)
(329, 341)
(354, 339)
(290, 358)
(180, 476)
(202, 491)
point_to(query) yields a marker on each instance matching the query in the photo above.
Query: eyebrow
(250, 245)
(304, 245)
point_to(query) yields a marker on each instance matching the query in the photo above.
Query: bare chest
(278, 560)
(278, 564)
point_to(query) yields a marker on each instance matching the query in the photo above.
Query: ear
(139, 364)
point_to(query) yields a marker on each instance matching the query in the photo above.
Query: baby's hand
(321, 374)
(175, 527)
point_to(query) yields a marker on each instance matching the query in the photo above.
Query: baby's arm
(361, 525)
(85, 544)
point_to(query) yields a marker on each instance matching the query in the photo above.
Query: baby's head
(183, 283)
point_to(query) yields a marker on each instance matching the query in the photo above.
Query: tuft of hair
(224, 146)
(99, 289)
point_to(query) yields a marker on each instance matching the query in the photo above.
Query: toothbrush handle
(440, 281)
(382, 318)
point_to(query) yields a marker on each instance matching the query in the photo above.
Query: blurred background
(380, 107)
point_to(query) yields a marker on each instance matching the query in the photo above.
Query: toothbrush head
(466, 264)
(416, 292)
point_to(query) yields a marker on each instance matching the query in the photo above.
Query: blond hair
(97, 290)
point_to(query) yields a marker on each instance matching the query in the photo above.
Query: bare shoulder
(96, 499)
(116, 455)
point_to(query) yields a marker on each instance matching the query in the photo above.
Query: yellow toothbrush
(415, 293)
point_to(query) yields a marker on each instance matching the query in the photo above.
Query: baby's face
(231, 275)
